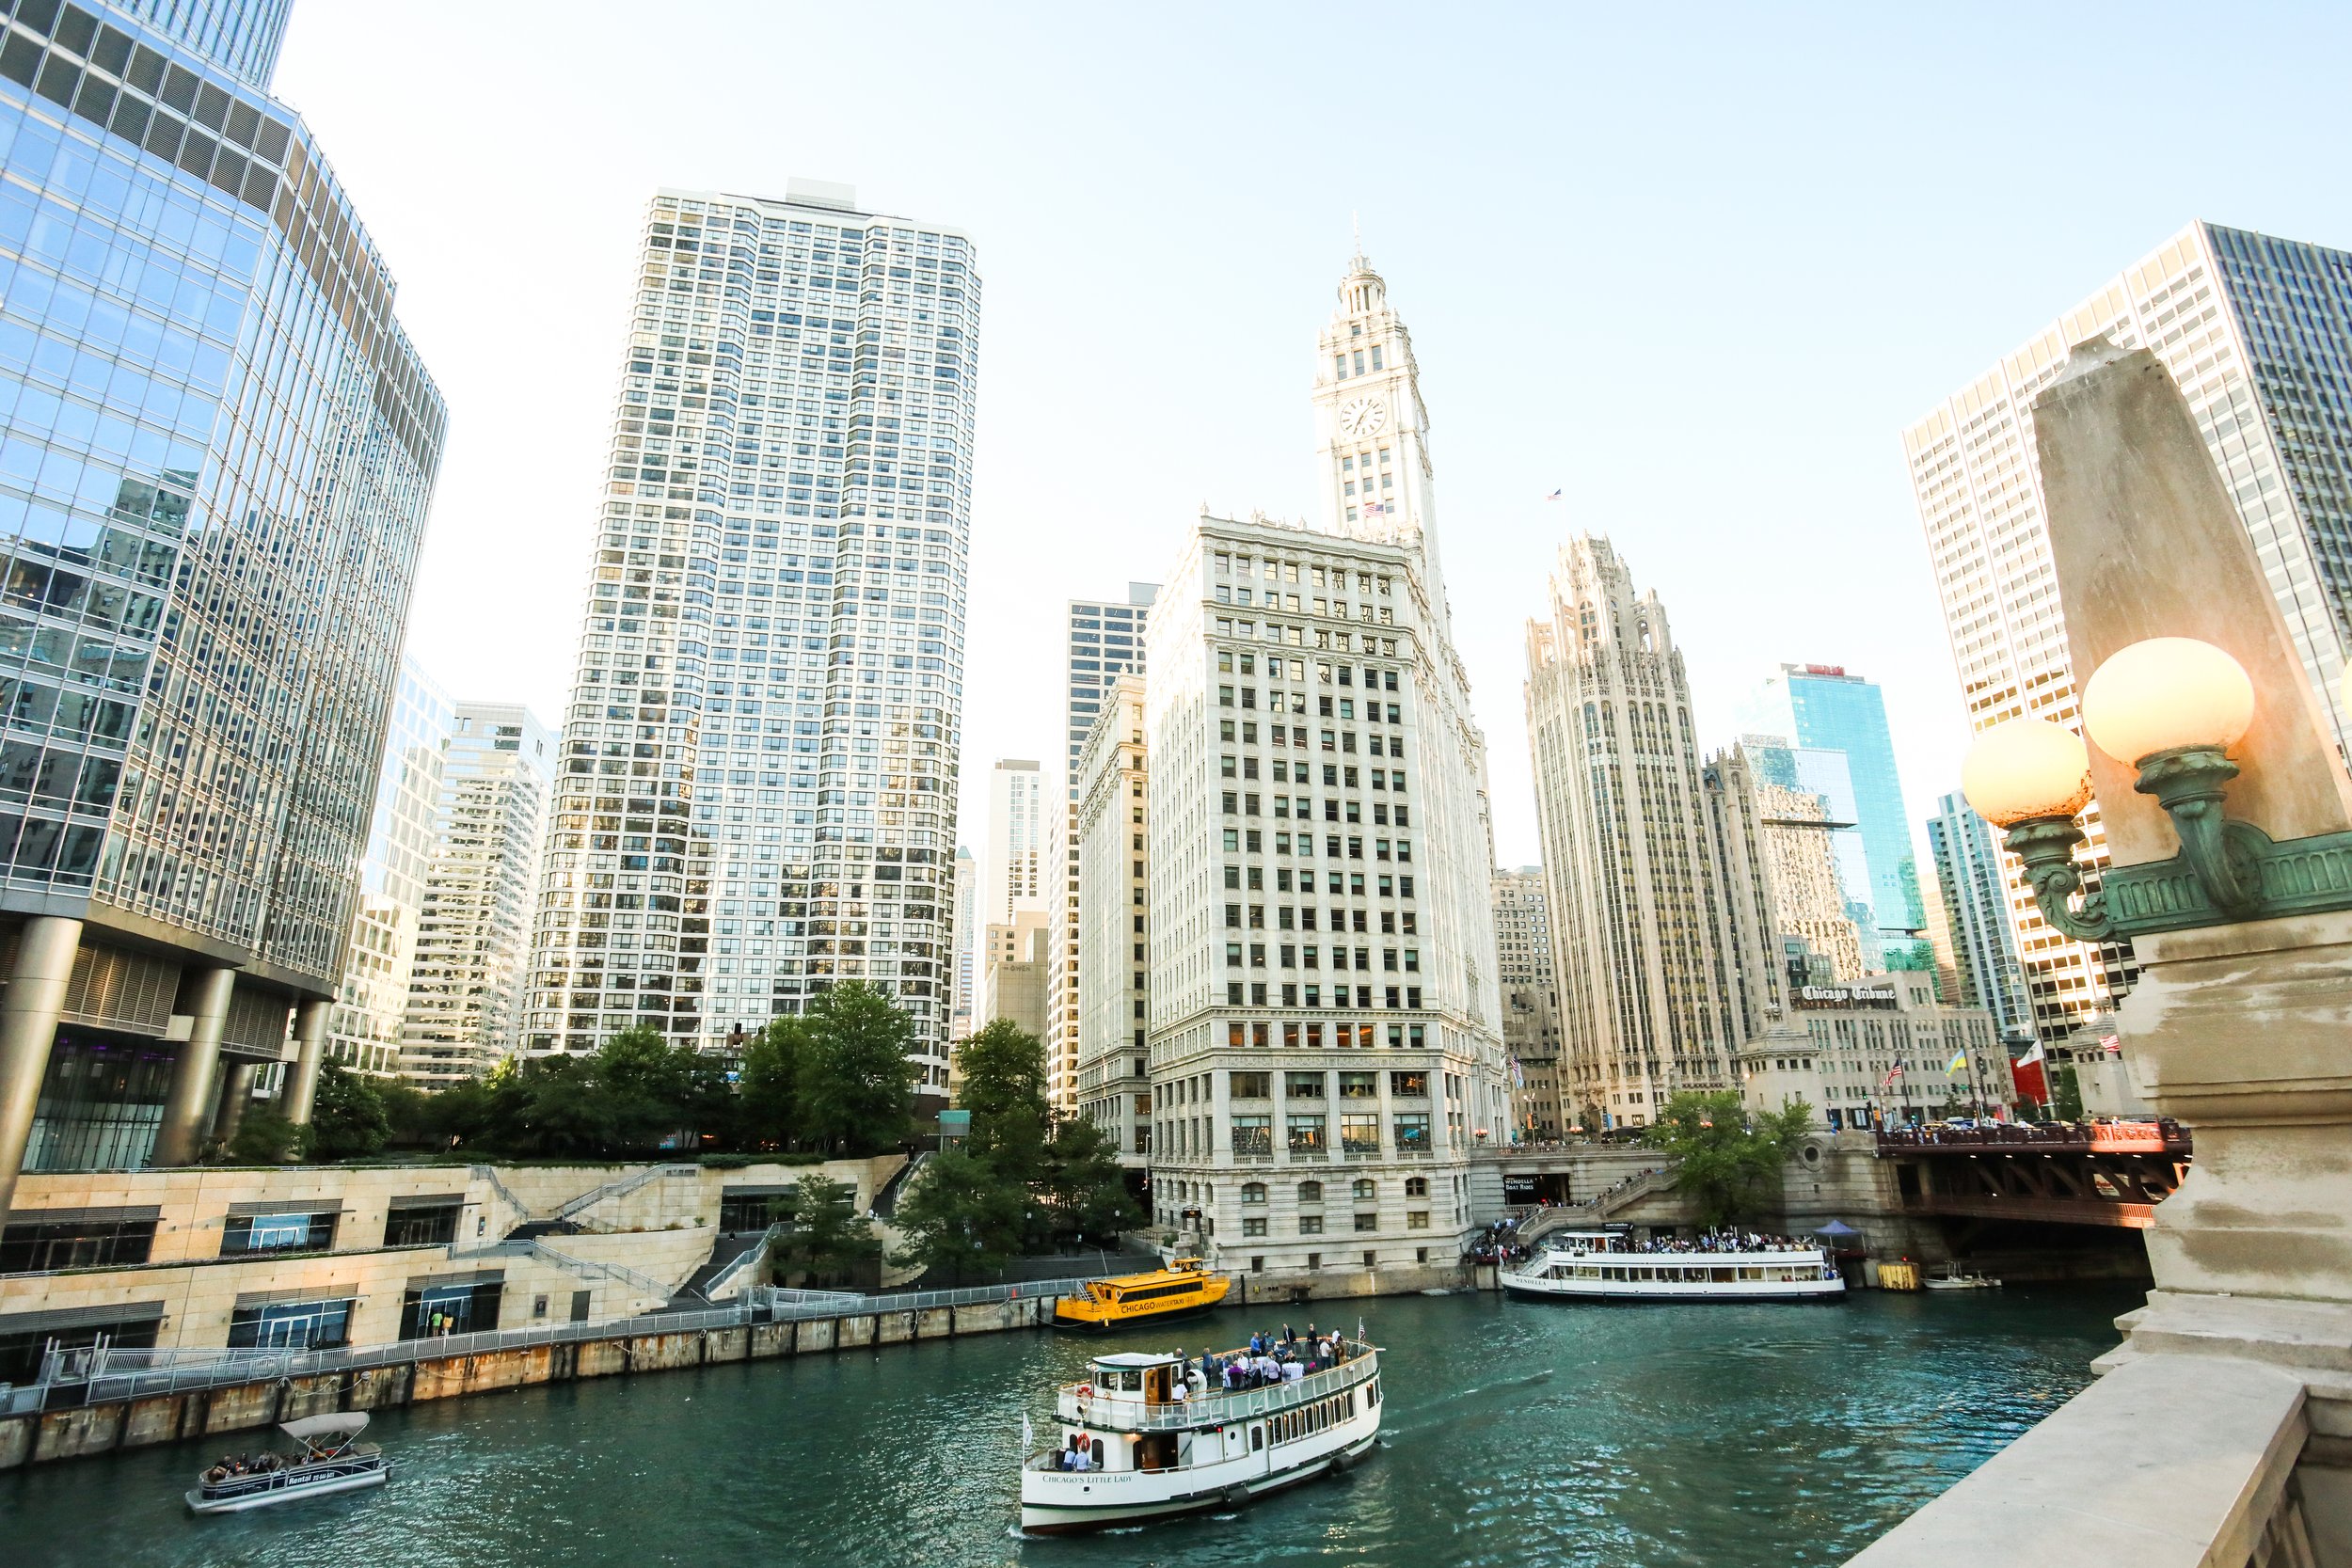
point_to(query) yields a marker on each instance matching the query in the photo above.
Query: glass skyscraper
(1968, 879)
(756, 795)
(1821, 708)
(2258, 332)
(216, 452)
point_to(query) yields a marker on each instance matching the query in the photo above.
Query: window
(1409, 1085)
(1255, 1134)
(291, 1325)
(1417, 1219)
(1248, 1086)
(1310, 1224)
(1253, 1192)
(1360, 1086)
(1412, 1135)
(35, 1243)
(432, 1222)
(430, 1310)
(1307, 1134)
(1363, 1189)
(299, 1231)
(1303, 1086)
(1253, 1225)
(1360, 1132)
(1367, 1221)
(1417, 1186)
(1310, 1192)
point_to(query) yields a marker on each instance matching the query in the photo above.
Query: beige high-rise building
(1012, 985)
(1325, 1037)
(1652, 981)
(2252, 327)
(473, 935)
(1102, 641)
(1531, 1013)
(1113, 971)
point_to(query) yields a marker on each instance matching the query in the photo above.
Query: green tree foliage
(856, 1086)
(768, 1110)
(347, 1115)
(960, 1217)
(1003, 1085)
(1727, 1159)
(265, 1137)
(1084, 1188)
(2066, 1093)
(828, 1238)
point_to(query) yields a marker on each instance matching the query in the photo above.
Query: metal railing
(103, 1374)
(1134, 1415)
(744, 1260)
(506, 1195)
(531, 1246)
(595, 1196)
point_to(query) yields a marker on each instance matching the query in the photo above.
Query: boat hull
(325, 1486)
(1126, 1504)
(1711, 1290)
(1138, 1319)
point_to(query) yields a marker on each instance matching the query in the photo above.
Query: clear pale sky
(1696, 266)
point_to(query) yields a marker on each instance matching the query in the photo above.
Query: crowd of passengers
(1727, 1241)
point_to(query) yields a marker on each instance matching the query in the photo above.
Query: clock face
(1361, 416)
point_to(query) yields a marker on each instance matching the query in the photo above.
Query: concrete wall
(664, 1231)
(172, 1417)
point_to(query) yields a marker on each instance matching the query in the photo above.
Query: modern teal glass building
(1823, 708)
(216, 452)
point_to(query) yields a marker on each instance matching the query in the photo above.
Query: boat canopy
(312, 1427)
(1127, 1360)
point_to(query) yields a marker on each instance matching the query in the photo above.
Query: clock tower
(1372, 429)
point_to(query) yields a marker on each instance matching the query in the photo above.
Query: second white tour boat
(1604, 1265)
(1147, 1453)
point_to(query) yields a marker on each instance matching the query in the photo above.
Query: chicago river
(1516, 1433)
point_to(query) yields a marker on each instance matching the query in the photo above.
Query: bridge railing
(2161, 1136)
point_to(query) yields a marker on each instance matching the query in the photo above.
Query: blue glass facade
(216, 454)
(1824, 709)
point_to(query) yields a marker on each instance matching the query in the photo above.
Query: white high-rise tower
(1322, 1015)
(756, 796)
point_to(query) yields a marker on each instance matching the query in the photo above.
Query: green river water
(1515, 1433)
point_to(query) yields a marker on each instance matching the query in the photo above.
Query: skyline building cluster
(1261, 933)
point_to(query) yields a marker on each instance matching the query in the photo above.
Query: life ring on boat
(1085, 1391)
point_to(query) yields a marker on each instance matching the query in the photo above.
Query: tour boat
(330, 1459)
(1128, 1301)
(1955, 1278)
(1149, 1453)
(1604, 1265)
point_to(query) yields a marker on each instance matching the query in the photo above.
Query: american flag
(1555, 495)
(1893, 1073)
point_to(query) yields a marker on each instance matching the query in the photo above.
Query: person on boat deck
(1257, 1344)
(1176, 1392)
(1086, 1456)
(1289, 1337)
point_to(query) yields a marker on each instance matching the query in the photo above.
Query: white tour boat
(331, 1460)
(1956, 1279)
(1128, 1448)
(1604, 1265)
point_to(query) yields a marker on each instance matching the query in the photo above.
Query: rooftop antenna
(1356, 222)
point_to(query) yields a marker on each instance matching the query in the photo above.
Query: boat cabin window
(1257, 1438)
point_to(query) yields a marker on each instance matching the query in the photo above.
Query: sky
(1695, 267)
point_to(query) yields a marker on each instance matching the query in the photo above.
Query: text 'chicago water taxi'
(1132, 1300)
(1150, 1435)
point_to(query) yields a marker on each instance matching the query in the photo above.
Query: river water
(1517, 1433)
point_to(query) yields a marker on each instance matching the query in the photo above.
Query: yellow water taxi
(1177, 1291)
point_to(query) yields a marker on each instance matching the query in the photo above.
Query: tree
(828, 1237)
(768, 1108)
(564, 1107)
(1003, 1085)
(856, 1086)
(960, 1216)
(2066, 1093)
(1726, 1159)
(347, 1115)
(265, 1137)
(1085, 1186)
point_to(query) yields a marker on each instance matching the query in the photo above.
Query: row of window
(1307, 1132)
(1411, 1083)
(31, 1245)
(1252, 841)
(1290, 955)
(1312, 1225)
(1258, 994)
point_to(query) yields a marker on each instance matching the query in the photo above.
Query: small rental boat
(1148, 1454)
(1953, 1278)
(1127, 1301)
(331, 1459)
(1603, 1265)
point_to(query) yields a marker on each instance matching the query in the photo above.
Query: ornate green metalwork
(2226, 870)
